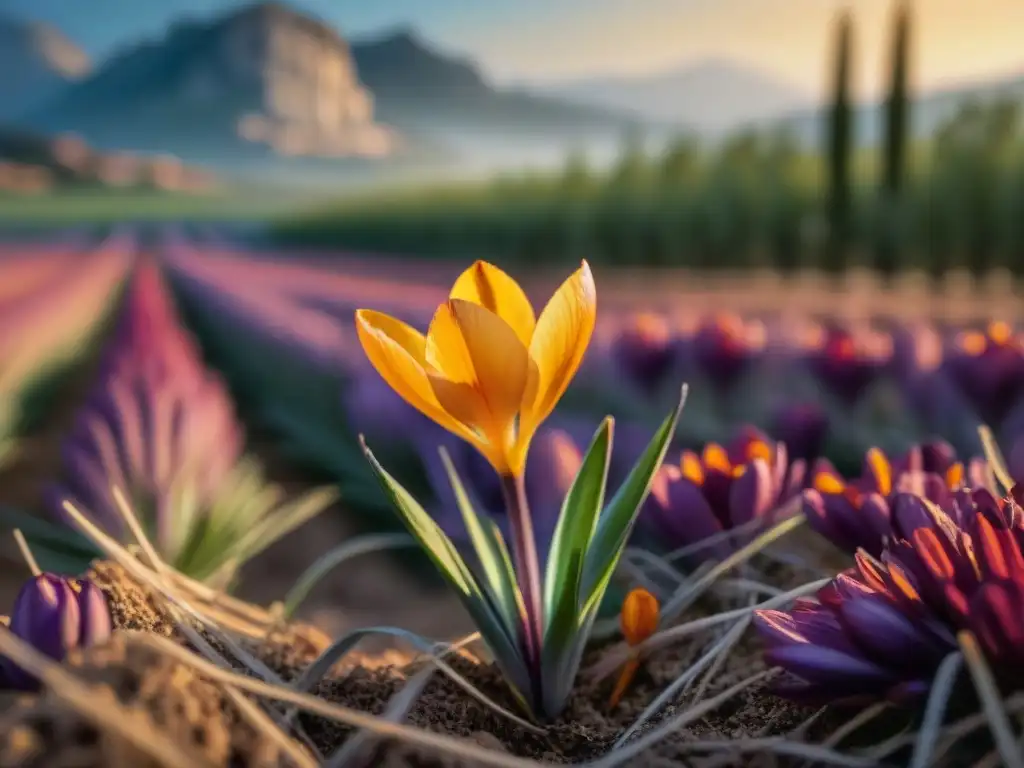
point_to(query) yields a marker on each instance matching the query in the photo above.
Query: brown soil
(585, 731)
(42, 731)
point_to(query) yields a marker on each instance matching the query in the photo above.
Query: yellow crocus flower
(488, 369)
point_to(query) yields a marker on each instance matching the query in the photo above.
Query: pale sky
(953, 40)
(552, 40)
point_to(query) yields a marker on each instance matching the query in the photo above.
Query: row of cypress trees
(758, 199)
(842, 139)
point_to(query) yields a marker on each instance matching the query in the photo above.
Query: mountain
(418, 87)
(38, 61)
(927, 112)
(241, 87)
(709, 97)
(267, 80)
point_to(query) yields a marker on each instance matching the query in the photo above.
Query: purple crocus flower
(723, 488)
(846, 362)
(917, 348)
(880, 630)
(859, 514)
(802, 427)
(725, 346)
(55, 614)
(645, 350)
(988, 366)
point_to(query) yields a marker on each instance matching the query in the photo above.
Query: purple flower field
(895, 447)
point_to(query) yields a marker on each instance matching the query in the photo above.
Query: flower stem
(527, 565)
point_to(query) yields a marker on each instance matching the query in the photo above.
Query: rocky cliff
(37, 61)
(263, 76)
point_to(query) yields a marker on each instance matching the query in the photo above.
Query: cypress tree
(889, 220)
(840, 139)
(897, 107)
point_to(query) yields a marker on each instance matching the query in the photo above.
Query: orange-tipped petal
(881, 469)
(759, 449)
(955, 476)
(902, 584)
(715, 457)
(397, 351)
(691, 467)
(932, 554)
(1000, 332)
(639, 617)
(651, 327)
(486, 285)
(973, 343)
(826, 482)
(558, 345)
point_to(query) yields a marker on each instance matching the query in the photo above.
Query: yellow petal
(499, 359)
(469, 344)
(397, 351)
(479, 371)
(465, 405)
(488, 286)
(558, 345)
(446, 350)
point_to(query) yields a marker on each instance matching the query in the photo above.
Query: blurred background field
(824, 236)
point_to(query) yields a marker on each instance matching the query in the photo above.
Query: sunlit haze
(554, 40)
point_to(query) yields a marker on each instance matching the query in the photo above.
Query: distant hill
(37, 61)
(928, 112)
(709, 97)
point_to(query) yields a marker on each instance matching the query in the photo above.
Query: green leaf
(499, 574)
(443, 554)
(42, 532)
(430, 536)
(617, 520)
(576, 525)
(285, 519)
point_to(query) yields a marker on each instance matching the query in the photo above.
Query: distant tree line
(759, 199)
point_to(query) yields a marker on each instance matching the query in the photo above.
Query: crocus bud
(639, 618)
(97, 624)
(55, 614)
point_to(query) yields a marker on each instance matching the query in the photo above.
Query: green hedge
(755, 200)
